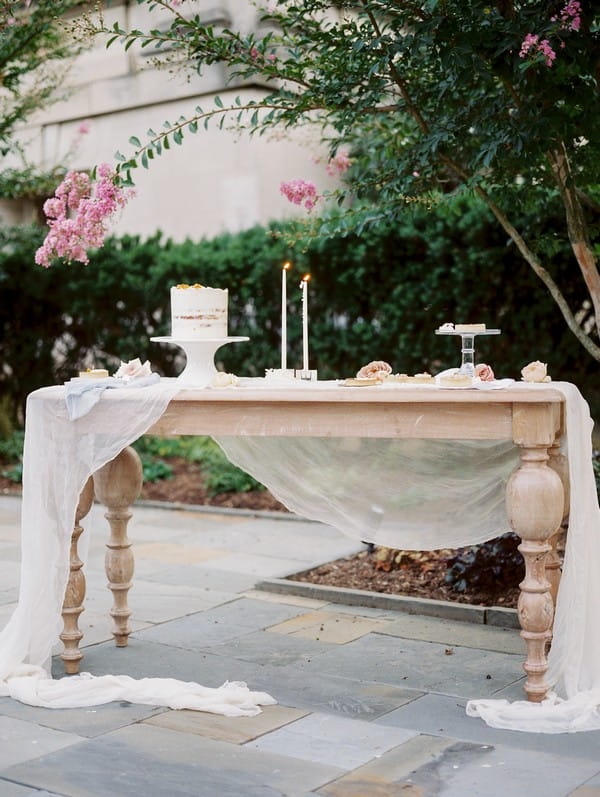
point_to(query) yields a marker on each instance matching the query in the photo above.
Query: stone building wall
(218, 180)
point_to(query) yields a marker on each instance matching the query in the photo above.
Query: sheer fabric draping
(59, 456)
(388, 484)
(407, 494)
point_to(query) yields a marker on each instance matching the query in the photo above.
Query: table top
(374, 394)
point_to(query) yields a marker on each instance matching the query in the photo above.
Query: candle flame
(306, 278)
(286, 266)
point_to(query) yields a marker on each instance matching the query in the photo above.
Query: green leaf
(218, 102)
(119, 156)
(135, 142)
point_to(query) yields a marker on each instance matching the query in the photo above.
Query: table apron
(474, 421)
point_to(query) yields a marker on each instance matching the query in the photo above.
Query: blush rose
(133, 369)
(377, 369)
(535, 372)
(484, 372)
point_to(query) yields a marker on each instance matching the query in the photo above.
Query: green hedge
(377, 296)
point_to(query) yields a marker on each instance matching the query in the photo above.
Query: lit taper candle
(284, 270)
(304, 288)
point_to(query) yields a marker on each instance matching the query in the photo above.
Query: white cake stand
(200, 354)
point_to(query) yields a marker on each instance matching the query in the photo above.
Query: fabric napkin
(496, 384)
(82, 394)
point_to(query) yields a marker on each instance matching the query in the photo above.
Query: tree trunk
(577, 228)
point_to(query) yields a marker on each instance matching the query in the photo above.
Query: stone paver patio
(371, 701)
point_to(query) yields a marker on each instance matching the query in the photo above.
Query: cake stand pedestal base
(200, 354)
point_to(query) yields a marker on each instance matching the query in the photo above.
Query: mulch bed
(419, 574)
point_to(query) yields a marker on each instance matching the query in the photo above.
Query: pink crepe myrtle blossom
(300, 192)
(91, 205)
(339, 164)
(570, 16)
(84, 128)
(532, 45)
(256, 55)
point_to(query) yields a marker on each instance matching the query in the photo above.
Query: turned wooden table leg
(75, 591)
(117, 485)
(535, 510)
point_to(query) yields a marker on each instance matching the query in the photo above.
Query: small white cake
(469, 328)
(94, 373)
(198, 312)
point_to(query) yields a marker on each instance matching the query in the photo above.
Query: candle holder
(306, 374)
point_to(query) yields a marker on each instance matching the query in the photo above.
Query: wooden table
(537, 492)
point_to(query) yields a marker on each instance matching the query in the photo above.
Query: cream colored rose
(133, 369)
(535, 372)
(222, 379)
(377, 369)
(484, 372)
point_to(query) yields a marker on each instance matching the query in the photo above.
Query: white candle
(284, 272)
(304, 287)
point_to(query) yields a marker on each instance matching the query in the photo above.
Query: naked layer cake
(198, 312)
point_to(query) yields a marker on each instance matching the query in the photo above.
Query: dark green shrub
(219, 475)
(14, 474)
(155, 470)
(11, 447)
(493, 566)
(379, 295)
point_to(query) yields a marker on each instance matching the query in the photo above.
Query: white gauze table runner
(59, 456)
(401, 493)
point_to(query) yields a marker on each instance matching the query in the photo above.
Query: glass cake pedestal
(467, 349)
(200, 355)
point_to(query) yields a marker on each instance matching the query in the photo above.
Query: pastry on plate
(362, 382)
(455, 379)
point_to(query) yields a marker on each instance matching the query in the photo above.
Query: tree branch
(587, 200)
(545, 277)
(582, 253)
